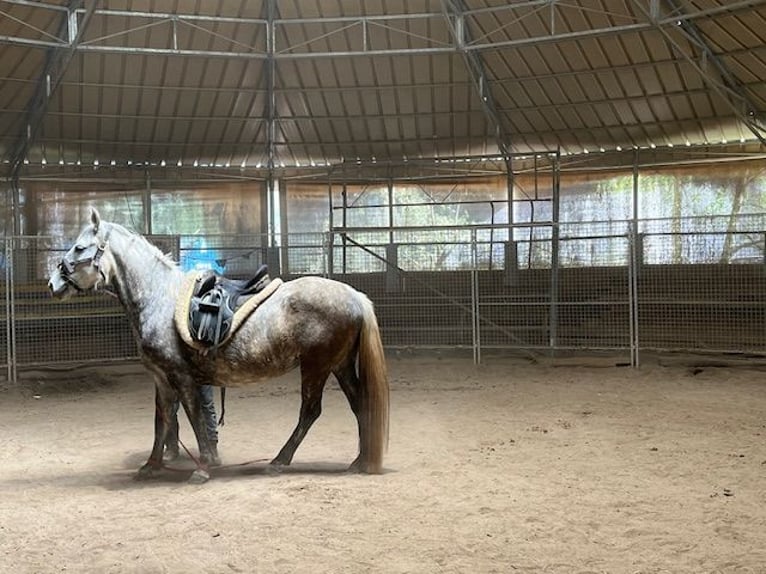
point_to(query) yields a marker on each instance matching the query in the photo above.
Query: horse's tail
(375, 399)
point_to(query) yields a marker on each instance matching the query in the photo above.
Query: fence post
(475, 321)
(393, 282)
(511, 263)
(475, 311)
(273, 260)
(10, 307)
(329, 252)
(635, 258)
(553, 338)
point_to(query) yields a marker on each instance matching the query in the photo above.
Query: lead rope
(197, 461)
(194, 458)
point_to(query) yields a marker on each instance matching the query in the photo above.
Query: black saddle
(214, 301)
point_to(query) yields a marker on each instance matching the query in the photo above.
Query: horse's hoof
(213, 460)
(360, 467)
(147, 471)
(275, 467)
(356, 466)
(170, 455)
(199, 476)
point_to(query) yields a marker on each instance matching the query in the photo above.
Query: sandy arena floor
(507, 467)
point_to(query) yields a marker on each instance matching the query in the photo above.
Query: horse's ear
(95, 217)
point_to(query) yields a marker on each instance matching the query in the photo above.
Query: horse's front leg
(164, 397)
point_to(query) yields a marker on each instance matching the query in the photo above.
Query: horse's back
(303, 317)
(319, 294)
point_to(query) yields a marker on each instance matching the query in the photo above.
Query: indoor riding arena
(557, 209)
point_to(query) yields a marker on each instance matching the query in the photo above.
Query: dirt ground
(505, 467)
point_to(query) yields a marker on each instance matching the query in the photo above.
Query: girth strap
(210, 316)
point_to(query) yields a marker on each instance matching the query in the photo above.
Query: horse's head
(82, 267)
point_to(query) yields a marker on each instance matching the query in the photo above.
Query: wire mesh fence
(617, 286)
(86, 327)
(7, 307)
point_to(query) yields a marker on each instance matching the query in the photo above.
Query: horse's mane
(164, 258)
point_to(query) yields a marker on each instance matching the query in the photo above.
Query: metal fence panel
(581, 287)
(703, 307)
(6, 334)
(86, 327)
(416, 306)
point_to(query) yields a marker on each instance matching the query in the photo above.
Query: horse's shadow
(177, 473)
(182, 468)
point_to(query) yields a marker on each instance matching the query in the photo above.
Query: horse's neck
(145, 281)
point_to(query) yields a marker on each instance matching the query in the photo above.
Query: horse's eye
(79, 248)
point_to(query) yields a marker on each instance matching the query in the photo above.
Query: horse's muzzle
(58, 286)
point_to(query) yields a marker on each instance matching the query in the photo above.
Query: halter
(91, 255)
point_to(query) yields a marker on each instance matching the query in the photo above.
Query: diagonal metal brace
(56, 65)
(455, 13)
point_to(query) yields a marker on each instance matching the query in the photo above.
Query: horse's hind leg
(351, 387)
(312, 386)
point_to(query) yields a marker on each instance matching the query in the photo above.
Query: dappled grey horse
(322, 326)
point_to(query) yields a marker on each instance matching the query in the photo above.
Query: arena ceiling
(267, 84)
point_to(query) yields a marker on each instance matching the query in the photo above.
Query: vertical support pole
(344, 223)
(509, 185)
(393, 280)
(271, 228)
(475, 309)
(511, 263)
(11, 310)
(7, 303)
(283, 249)
(272, 248)
(271, 110)
(330, 242)
(327, 253)
(392, 250)
(271, 70)
(8, 211)
(390, 210)
(636, 257)
(72, 24)
(16, 228)
(147, 201)
(633, 265)
(555, 236)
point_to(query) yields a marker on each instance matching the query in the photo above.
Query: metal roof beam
(56, 64)
(584, 133)
(361, 115)
(454, 12)
(420, 85)
(436, 45)
(722, 82)
(32, 4)
(729, 7)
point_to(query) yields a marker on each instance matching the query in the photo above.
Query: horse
(324, 327)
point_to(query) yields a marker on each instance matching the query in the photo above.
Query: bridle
(89, 256)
